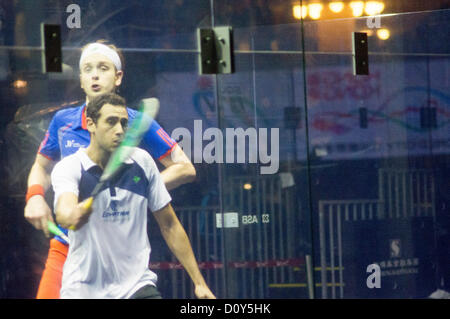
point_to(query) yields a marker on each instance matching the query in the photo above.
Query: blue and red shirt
(68, 132)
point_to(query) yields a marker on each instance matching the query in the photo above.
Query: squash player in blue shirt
(101, 71)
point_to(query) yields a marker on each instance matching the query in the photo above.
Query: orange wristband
(35, 189)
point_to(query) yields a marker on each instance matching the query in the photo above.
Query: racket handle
(88, 202)
(56, 231)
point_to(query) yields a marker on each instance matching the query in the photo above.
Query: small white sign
(287, 179)
(231, 220)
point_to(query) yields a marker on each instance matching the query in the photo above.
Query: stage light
(299, 11)
(374, 7)
(20, 84)
(336, 7)
(357, 8)
(248, 186)
(383, 34)
(315, 10)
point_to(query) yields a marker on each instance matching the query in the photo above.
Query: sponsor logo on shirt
(72, 143)
(114, 214)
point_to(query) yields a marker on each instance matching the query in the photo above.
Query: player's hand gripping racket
(56, 231)
(147, 111)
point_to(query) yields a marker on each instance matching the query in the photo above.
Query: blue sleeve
(156, 141)
(49, 147)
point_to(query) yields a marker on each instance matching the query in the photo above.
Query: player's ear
(119, 77)
(90, 124)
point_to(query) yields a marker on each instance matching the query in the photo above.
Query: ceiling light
(374, 7)
(336, 7)
(20, 84)
(383, 34)
(315, 10)
(299, 11)
(357, 8)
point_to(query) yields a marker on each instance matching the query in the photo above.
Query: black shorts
(147, 292)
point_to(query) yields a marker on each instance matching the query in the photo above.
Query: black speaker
(51, 42)
(207, 51)
(360, 53)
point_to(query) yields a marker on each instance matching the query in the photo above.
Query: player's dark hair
(95, 105)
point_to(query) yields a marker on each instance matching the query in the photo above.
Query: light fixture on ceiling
(315, 10)
(299, 11)
(383, 34)
(357, 8)
(374, 7)
(336, 6)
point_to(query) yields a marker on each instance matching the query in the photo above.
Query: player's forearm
(179, 244)
(40, 172)
(178, 169)
(64, 219)
(178, 174)
(65, 212)
(36, 210)
(70, 213)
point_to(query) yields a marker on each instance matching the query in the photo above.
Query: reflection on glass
(372, 141)
(383, 34)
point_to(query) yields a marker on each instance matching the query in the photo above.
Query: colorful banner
(401, 109)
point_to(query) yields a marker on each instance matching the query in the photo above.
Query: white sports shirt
(109, 256)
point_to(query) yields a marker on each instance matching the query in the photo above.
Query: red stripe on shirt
(165, 137)
(164, 133)
(83, 118)
(47, 134)
(168, 152)
(47, 157)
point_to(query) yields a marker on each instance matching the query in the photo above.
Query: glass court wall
(378, 144)
(306, 173)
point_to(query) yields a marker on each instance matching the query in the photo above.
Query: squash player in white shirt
(109, 249)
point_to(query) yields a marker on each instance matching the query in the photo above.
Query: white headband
(103, 50)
